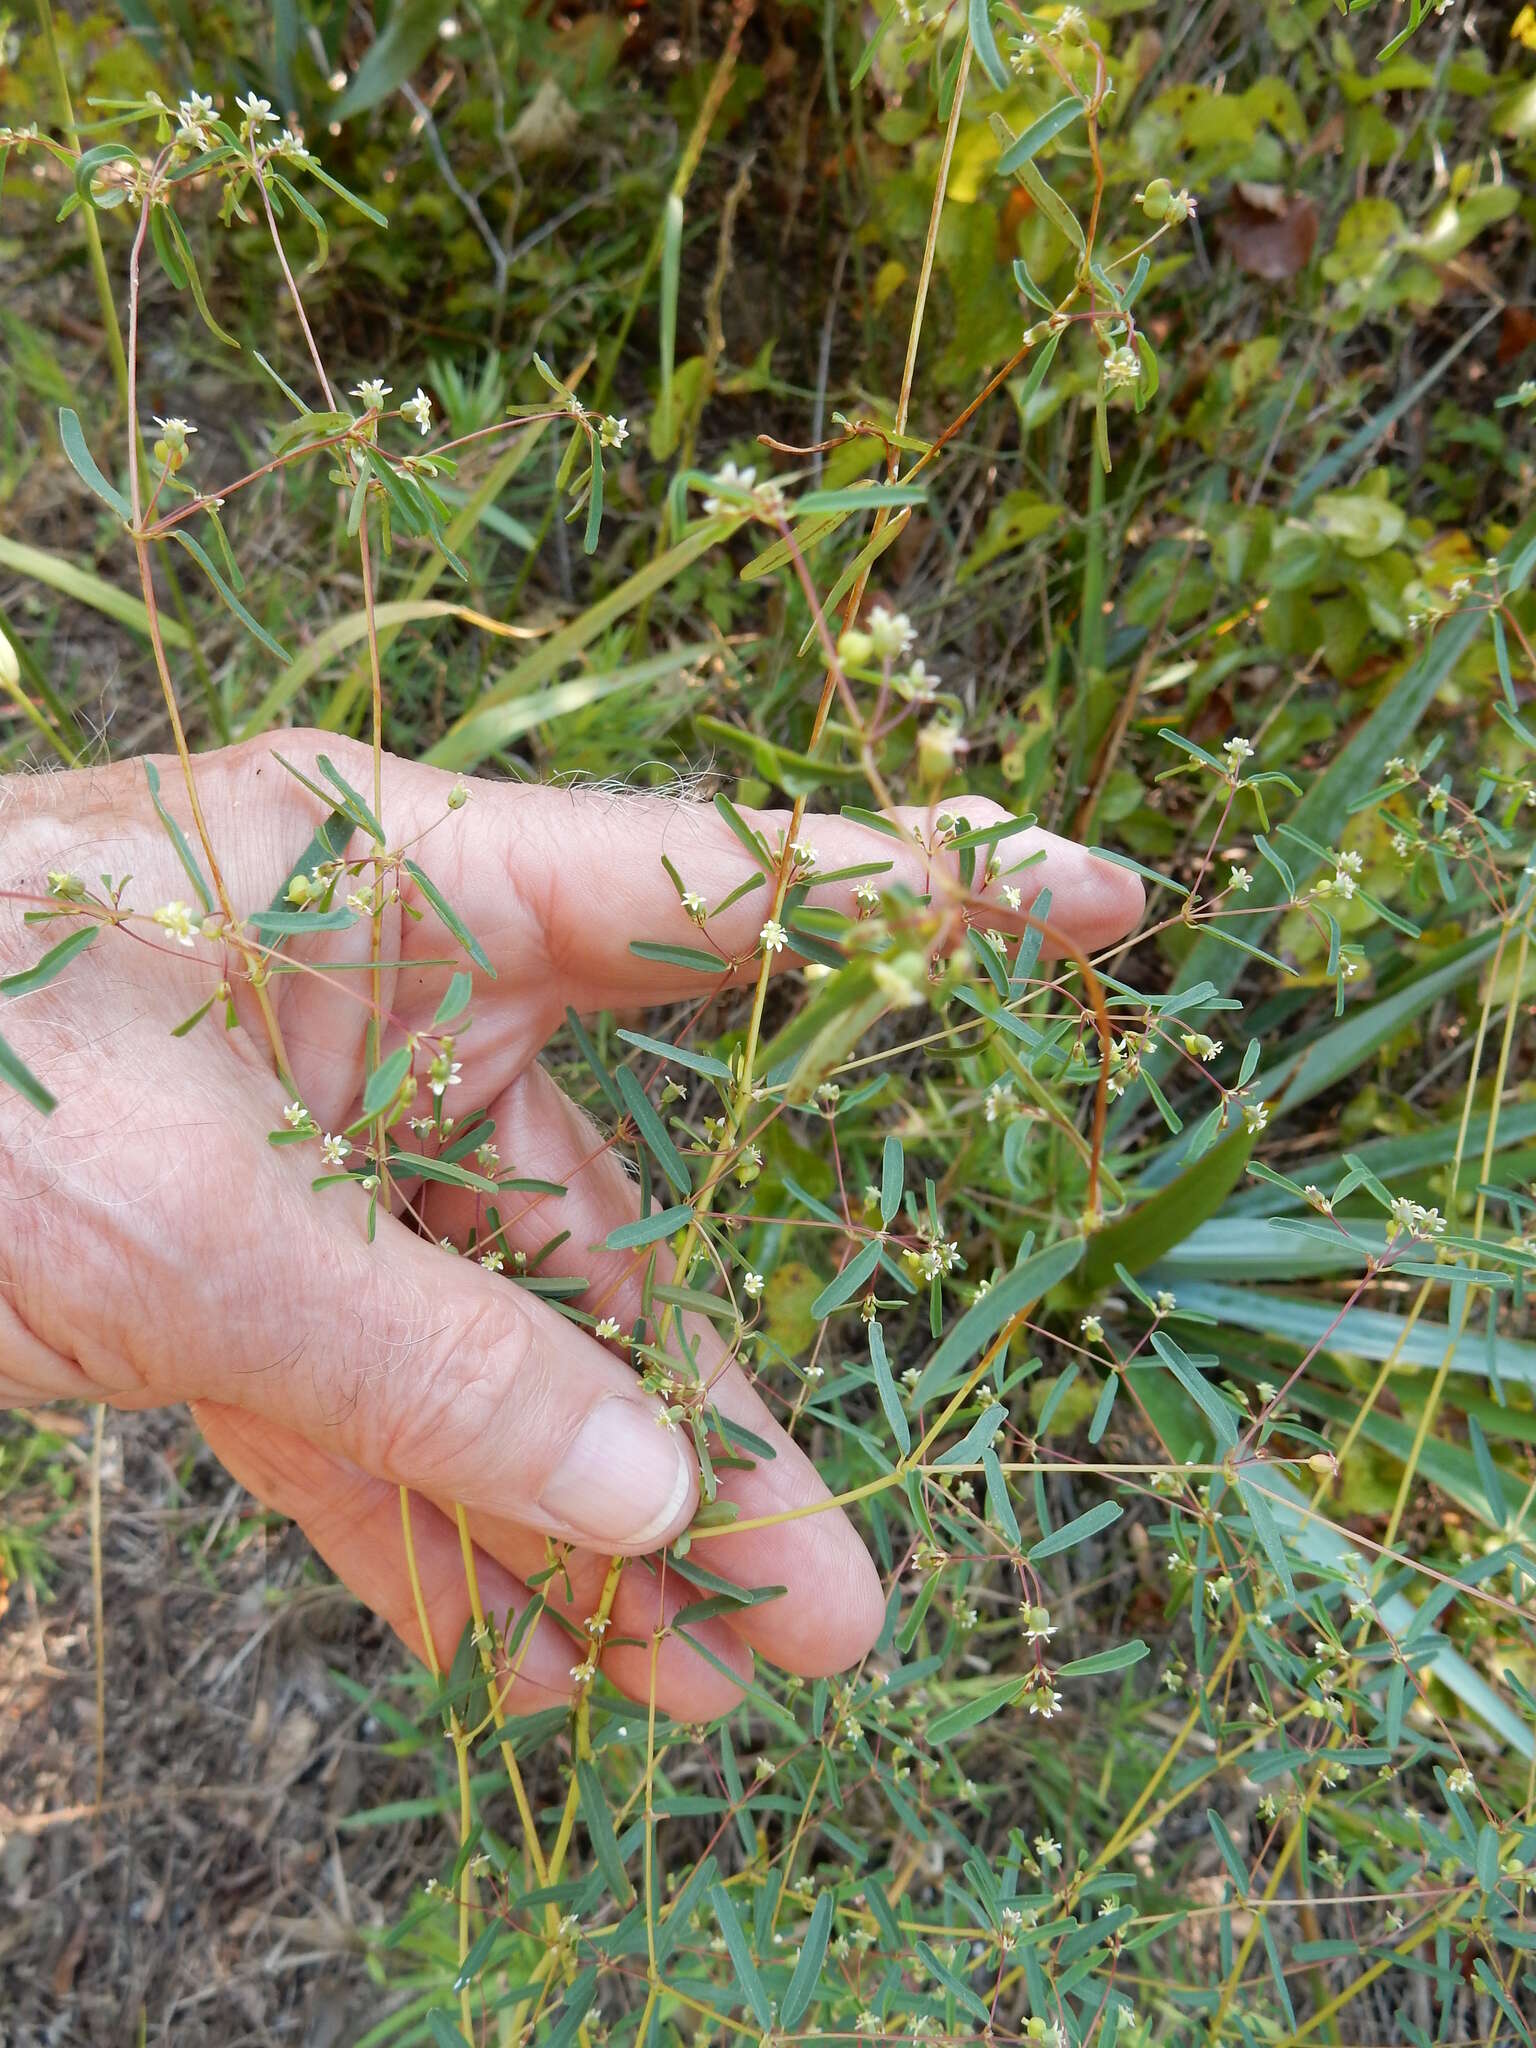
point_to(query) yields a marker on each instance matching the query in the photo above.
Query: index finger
(591, 873)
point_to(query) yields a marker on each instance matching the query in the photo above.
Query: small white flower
(752, 1286)
(195, 109)
(729, 477)
(174, 432)
(607, 1329)
(1165, 1301)
(444, 1073)
(891, 633)
(493, 1261)
(295, 1114)
(372, 391)
(1237, 751)
(1461, 1779)
(1255, 1115)
(1011, 896)
(1092, 1329)
(418, 410)
(802, 853)
(613, 433)
(1122, 369)
(997, 1099)
(1239, 878)
(867, 897)
(176, 918)
(257, 111)
(334, 1150)
(772, 937)
(695, 906)
(1199, 1046)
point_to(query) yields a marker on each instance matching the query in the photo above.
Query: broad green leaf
(1150, 1230)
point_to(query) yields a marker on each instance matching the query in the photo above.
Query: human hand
(156, 1247)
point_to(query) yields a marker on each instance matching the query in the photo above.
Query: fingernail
(625, 1480)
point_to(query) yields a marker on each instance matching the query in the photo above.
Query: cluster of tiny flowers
(1237, 751)
(1345, 879)
(1414, 1220)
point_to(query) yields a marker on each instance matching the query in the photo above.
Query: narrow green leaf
(83, 463)
(1228, 1848)
(1018, 1290)
(15, 1073)
(1199, 1390)
(383, 1084)
(654, 1132)
(177, 838)
(451, 919)
(976, 1439)
(892, 1175)
(807, 1970)
(692, 957)
(885, 1386)
(647, 1229)
(984, 42)
(1037, 135)
(1118, 1659)
(946, 1726)
(455, 999)
(28, 979)
(843, 1286)
(605, 1846)
(679, 1055)
(741, 1955)
(1070, 1534)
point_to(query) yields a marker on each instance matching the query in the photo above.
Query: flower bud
(854, 647)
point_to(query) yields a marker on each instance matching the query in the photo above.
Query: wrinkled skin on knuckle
(456, 1411)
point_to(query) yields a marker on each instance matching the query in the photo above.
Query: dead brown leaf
(1268, 232)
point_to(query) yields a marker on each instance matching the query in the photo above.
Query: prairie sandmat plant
(1153, 461)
